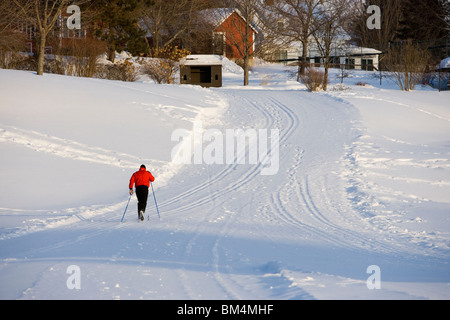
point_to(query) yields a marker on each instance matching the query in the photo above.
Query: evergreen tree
(117, 24)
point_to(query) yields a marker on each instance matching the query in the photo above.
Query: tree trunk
(325, 77)
(246, 48)
(111, 45)
(302, 65)
(112, 55)
(41, 54)
(246, 70)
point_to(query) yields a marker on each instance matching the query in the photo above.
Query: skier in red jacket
(141, 179)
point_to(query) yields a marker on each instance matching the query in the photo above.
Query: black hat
(143, 166)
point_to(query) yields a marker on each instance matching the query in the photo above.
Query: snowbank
(86, 129)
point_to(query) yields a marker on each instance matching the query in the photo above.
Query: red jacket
(141, 178)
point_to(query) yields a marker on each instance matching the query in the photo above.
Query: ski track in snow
(243, 179)
(284, 206)
(66, 148)
(58, 218)
(433, 114)
(281, 203)
(195, 241)
(275, 114)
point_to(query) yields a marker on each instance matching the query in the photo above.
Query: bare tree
(169, 20)
(242, 40)
(245, 18)
(43, 15)
(391, 14)
(296, 19)
(328, 30)
(446, 6)
(11, 41)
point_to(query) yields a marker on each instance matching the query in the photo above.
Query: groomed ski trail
(208, 245)
(299, 218)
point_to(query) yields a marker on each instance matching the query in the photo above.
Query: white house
(342, 55)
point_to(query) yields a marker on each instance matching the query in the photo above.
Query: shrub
(81, 56)
(160, 70)
(11, 45)
(164, 64)
(28, 62)
(54, 64)
(406, 64)
(124, 71)
(313, 79)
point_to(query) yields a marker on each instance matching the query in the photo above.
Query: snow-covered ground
(362, 191)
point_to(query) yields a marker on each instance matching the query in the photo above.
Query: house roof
(354, 51)
(445, 64)
(201, 60)
(217, 16)
(338, 49)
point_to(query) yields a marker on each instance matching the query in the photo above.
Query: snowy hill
(363, 180)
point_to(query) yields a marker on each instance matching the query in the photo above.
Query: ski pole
(126, 208)
(157, 210)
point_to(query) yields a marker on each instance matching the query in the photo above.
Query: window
(367, 64)
(29, 30)
(281, 55)
(219, 43)
(349, 63)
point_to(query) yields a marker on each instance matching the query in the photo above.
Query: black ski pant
(142, 195)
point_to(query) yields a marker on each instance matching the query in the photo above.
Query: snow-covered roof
(445, 64)
(201, 60)
(217, 16)
(339, 49)
(353, 50)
